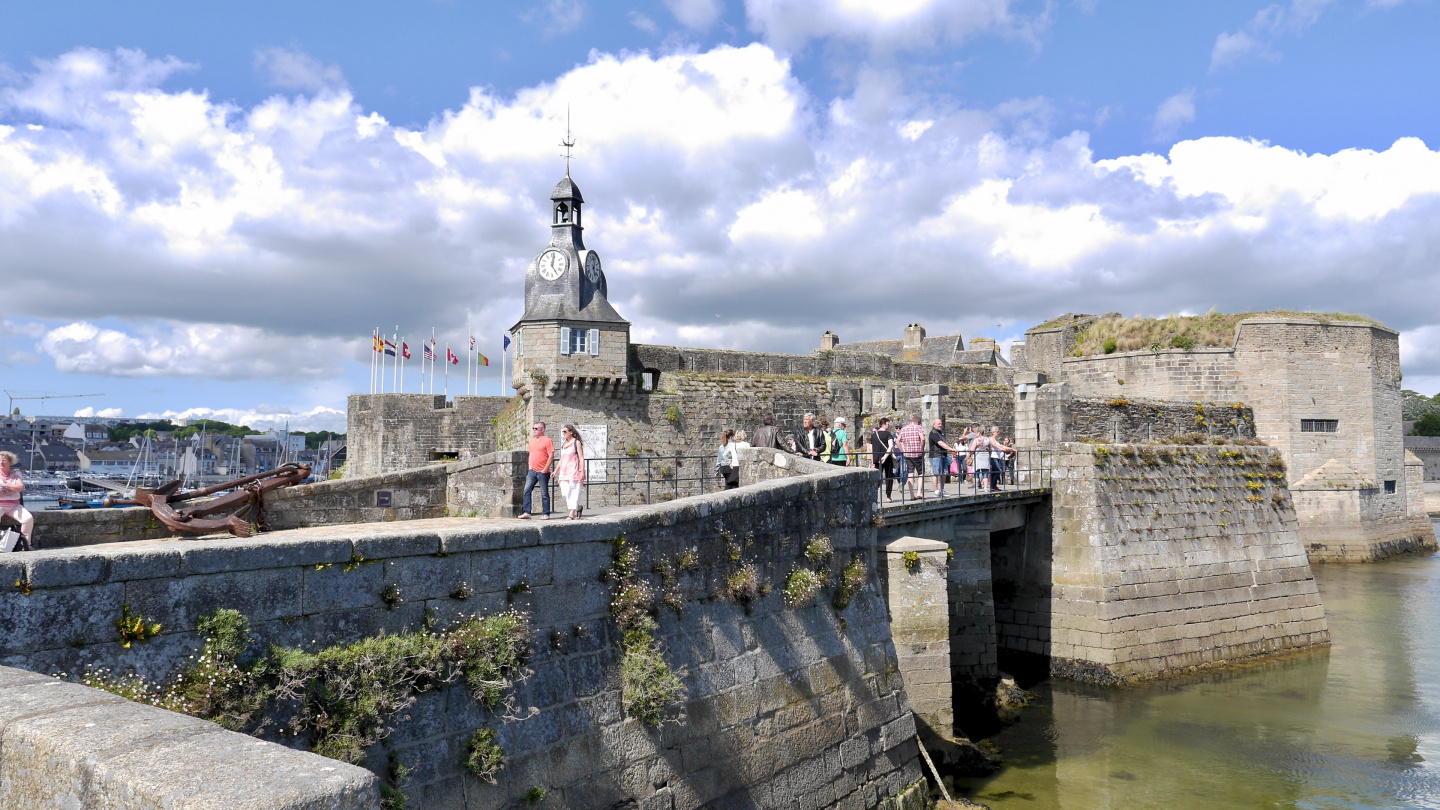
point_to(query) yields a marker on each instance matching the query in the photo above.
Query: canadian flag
(449, 355)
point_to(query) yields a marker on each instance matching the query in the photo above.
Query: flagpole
(468, 352)
(374, 333)
(446, 390)
(432, 361)
(502, 369)
(395, 374)
(402, 364)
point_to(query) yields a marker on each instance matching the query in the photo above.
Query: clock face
(592, 266)
(552, 264)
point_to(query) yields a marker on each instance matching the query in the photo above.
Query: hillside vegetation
(1187, 332)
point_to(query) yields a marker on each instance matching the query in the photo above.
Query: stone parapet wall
(63, 745)
(487, 486)
(915, 594)
(817, 364)
(787, 707)
(64, 528)
(1168, 559)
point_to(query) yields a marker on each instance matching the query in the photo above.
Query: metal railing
(950, 475)
(635, 480)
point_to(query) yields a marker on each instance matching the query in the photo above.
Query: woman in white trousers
(571, 470)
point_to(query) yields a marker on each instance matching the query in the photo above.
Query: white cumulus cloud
(1173, 113)
(291, 69)
(191, 350)
(308, 421)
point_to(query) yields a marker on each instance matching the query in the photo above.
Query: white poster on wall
(596, 439)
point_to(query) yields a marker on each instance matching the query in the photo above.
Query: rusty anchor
(247, 500)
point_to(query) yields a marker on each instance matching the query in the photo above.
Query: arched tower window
(562, 213)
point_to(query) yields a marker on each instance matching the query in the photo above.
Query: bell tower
(570, 342)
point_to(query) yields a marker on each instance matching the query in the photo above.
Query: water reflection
(1357, 726)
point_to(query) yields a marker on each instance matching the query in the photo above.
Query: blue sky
(208, 206)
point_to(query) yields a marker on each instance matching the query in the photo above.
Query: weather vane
(569, 142)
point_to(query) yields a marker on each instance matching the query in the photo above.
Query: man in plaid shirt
(911, 441)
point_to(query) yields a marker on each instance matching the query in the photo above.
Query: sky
(206, 208)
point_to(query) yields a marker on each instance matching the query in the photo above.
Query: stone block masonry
(914, 578)
(388, 432)
(63, 745)
(1173, 558)
(786, 706)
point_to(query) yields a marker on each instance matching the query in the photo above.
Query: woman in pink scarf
(571, 470)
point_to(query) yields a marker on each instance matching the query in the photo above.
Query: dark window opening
(1389, 487)
(1319, 425)
(382, 498)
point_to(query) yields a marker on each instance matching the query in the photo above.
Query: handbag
(954, 466)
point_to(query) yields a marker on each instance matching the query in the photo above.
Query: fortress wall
(787, 707)
(1427, 449)
(816, 364)
(1193, 376)
(1350, 372)
(1173, 558)
(1143, 420)
(397, 431)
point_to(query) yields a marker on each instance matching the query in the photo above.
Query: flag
(405, 350)
(507, 342)
(377, 345)
(389, 349)
(449, 355)
(472, 343)
(429, 353)
(483, 361)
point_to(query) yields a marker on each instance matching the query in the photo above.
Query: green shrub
(743, 584)
(483, 755)
(1427, 425)
(801, 587)
(818, 549)
(132, 627)
(1182, 342)
(852, 581)
(1110, 345)
(911, 560)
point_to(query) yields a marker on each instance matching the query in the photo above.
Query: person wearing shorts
(911, 441)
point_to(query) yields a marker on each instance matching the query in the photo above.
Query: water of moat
(1358, 726)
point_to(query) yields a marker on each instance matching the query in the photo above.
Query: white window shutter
(564, 340)
(595, 342)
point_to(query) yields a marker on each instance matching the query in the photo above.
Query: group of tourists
(977, 457)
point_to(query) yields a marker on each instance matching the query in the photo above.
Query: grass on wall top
(1181, 332)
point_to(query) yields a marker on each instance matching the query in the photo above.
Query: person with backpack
(840, 457)
(827, 441)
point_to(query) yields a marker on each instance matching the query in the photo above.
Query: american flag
(429, 352)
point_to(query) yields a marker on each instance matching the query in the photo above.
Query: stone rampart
(788, 705)
(666, 359)
(1326, 394)
(63, 745)
(1427, 449)
(1172, 558)
(388, 432)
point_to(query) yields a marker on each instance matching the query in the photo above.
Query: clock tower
(570, 341)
